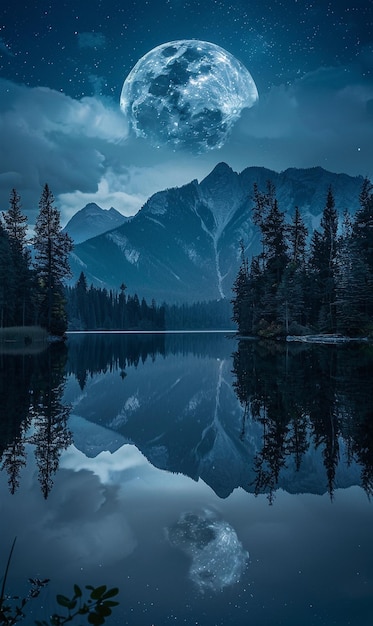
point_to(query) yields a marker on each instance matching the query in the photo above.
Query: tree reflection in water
(32, 412)
(304, 396)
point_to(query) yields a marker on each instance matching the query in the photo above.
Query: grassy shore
(22, 339)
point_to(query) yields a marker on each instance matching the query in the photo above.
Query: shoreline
(328, 339)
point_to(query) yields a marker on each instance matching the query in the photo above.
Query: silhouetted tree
(7, 281)
(50, 417)
(52, 248)
(322, 264)
(16, 227)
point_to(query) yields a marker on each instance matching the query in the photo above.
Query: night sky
(62, 67)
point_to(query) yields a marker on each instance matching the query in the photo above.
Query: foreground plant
(96, 607)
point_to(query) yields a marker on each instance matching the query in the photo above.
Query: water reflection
(218, 558)
(250, 415)
(32, 412)
(316, 397)
(175, 439)
(95, 353)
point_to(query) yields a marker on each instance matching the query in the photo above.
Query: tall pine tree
(322, 285)
(15, 224)
(52, 248)
(7, 281)
(241, 301)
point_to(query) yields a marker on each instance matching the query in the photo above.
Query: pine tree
(359, 283)
(241, 303)
(16, 227)
(274, 257)
(15, 222)
(352, 286)
(297, 234)
(122, 307)
(82, 301)
(322, 265)
(52, 248)
(290, 294)
(7, 281)
(290, 300)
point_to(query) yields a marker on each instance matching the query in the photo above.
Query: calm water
(215, 482)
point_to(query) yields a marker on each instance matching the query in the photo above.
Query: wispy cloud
(91, 40)
(84, 150)
(49, 137)
(324, 118)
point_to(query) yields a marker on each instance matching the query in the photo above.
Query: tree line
(33, 290)
(297, 284)
(33, 274)
(93, 308)
(32, 284)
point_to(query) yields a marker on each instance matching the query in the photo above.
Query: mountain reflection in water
(148, 462)
(237, 414)
(296, 417)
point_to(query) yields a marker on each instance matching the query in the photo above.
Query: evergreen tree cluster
(297, 286)
(31, 290)
(211, 315)
(93, 308)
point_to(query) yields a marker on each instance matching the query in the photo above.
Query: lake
(214, 481)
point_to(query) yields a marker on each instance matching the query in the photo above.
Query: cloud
(84, 150)
(84, 524)
(91, 40)
(324, 118)
(47, 136)
(128, 188)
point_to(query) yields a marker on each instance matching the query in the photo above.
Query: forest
(301, 284)
(95, 308)
(33, 289)
(302, 398)
(32, 279)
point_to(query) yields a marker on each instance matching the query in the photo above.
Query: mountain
(92, 221)
(177, 404)
(183, 244)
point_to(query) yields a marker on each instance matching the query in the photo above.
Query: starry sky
(62, 67)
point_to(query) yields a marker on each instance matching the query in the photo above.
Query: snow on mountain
(92, 221)
(184, 243)
(184, 417)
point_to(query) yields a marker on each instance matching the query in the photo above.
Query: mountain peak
(183, 245)
(221, 170)
(91, 221)
(91, 206)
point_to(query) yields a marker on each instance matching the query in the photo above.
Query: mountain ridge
(91, 221)
(183, 245)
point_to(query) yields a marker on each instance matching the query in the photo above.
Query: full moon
(187, 94)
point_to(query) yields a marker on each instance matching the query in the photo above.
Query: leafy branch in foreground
(11, 613)
(97, 607)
